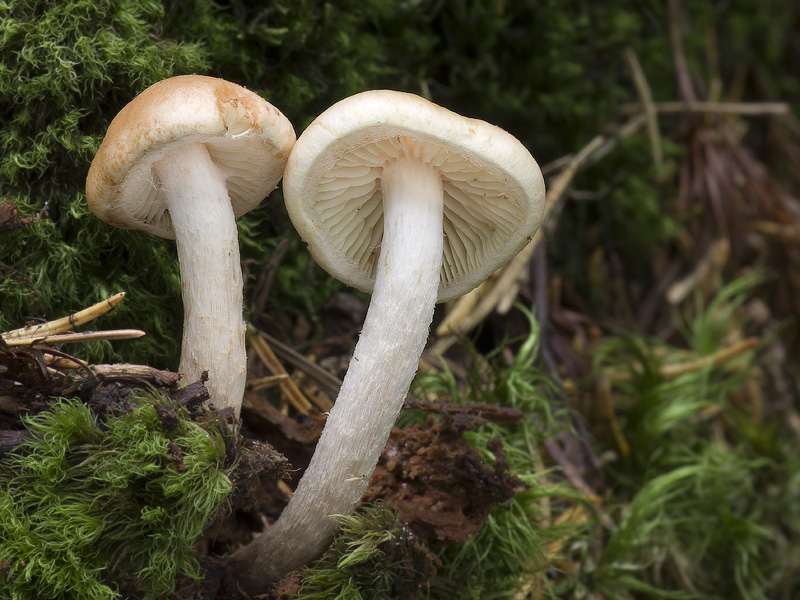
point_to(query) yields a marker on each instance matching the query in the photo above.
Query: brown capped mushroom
(183, 160)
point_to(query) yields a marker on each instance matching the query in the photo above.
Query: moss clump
(301, 55)
(703, 498)
(373, 557)
(65, 69)
(85, 501)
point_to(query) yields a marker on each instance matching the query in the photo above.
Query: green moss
(65, 70)
(512, 546)
(373, 557)
(301, 55)
(86, 501)
(705, 505)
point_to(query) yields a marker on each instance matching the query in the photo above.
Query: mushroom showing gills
(183, 160)
(399, 197)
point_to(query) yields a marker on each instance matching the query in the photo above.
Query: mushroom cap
(247, 138)
(493, 188)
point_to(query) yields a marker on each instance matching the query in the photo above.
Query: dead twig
(675, 370)
(135, 374)
(10, 219)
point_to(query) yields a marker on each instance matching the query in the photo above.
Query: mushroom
(399, 197)
(182, 161)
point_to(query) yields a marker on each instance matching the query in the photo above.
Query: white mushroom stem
(211, 273)
(375, 386)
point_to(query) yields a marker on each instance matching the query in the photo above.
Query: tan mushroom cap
(247, 138)
(493, 188)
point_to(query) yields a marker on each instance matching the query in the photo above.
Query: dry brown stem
(744, 109)
(83, 336)
(326, 380)
(675, 370)
(65, 323)
(646, 99)
(287, 385)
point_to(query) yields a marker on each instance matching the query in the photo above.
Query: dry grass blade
(714, 360)
(604, 408)
(293, 394)
(83, 336)
(570, 472)
(327, 381)
(780, 232)
(717, 184)
(646, 98)
(497, 288)
(265, 280)
(461, 308)
(685, 87)
(264, 383)
(675, 370)
(66, 323)
(744, 109)
(713, 262)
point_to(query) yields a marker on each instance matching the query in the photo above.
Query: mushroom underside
(481, 212)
